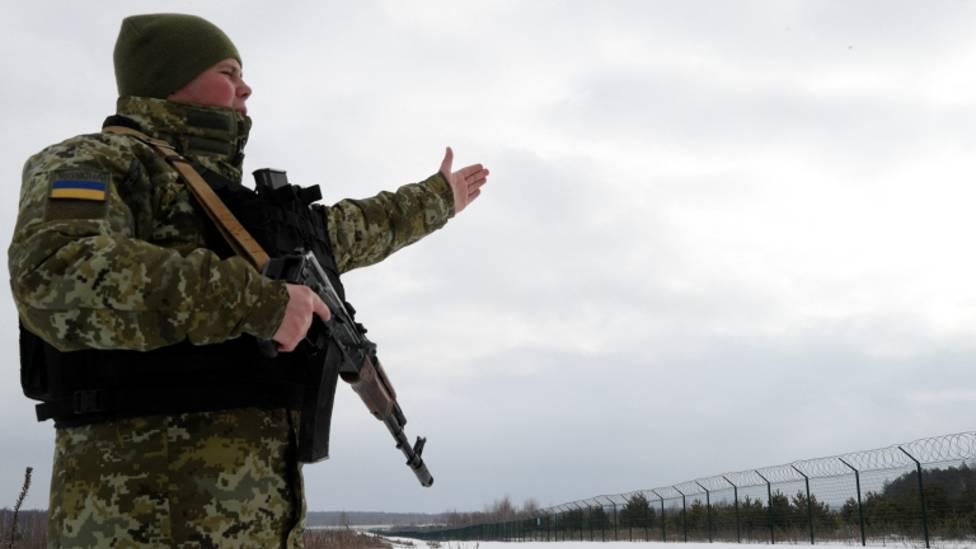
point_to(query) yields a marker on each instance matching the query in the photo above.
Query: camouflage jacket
(110, 251)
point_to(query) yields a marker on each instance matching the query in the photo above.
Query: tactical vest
(90, 386)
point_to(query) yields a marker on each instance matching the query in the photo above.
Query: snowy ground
(636, 544)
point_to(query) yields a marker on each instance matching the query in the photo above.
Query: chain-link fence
(912, 493)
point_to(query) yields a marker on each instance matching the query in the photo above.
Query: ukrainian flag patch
(79, 189)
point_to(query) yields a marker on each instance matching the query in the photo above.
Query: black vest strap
(85, 406)
(90, 386)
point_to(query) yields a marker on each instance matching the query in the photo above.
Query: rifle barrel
(412, 453)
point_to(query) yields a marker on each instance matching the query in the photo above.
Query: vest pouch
(33, 366)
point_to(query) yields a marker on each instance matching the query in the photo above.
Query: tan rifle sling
(230, 228)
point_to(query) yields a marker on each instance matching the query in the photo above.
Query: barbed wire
(956, 447)
(783, 503)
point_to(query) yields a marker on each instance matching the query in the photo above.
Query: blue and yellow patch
(79, 189)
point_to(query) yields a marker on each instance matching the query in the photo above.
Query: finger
(448, 160)
(468, 171)
(473, 194)
(286, 348)
(321, 309)
(476, 179)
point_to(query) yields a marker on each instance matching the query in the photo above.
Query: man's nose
(244, 91)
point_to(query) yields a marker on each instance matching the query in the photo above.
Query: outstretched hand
(466, 182)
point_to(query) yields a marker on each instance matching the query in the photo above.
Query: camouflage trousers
(212, 479)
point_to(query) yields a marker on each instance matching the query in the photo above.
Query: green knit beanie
(157, 54)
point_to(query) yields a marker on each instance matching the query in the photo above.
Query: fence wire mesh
(917, 493)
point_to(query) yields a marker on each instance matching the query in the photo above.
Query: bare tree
(530, 508)
(501, 509)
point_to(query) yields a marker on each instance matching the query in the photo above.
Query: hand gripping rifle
(340, 346)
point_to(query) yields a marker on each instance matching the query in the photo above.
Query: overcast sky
(717, 235)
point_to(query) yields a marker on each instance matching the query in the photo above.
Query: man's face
(222, 85)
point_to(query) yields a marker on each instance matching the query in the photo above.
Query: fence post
(630, 526)
(589, 519)
(806, 480)
(860, 508)
(580, 509)
(630, 520)
(769, 507)
(708, 509)
(684, 513)
(603, 523)
(664, 524)
(647, 522)
(616, 526)
(921, 495)
(735, 495)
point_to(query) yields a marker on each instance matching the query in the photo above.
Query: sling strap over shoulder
(230, 228)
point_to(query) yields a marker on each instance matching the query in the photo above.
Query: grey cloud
(692, 110)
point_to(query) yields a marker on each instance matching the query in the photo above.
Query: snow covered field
(636, 545)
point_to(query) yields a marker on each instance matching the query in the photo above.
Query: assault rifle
(341, 347)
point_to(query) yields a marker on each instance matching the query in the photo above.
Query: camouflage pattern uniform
(130, 269)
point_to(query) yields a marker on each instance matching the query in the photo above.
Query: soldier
(138, 327)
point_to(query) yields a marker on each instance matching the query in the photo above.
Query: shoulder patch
(78, 189)
(76, 194)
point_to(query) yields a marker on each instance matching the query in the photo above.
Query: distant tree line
(371, 518)
(501, 510)
(31, 530)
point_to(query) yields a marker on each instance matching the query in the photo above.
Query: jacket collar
(211, 137)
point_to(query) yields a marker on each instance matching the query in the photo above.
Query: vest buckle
(88, 401)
